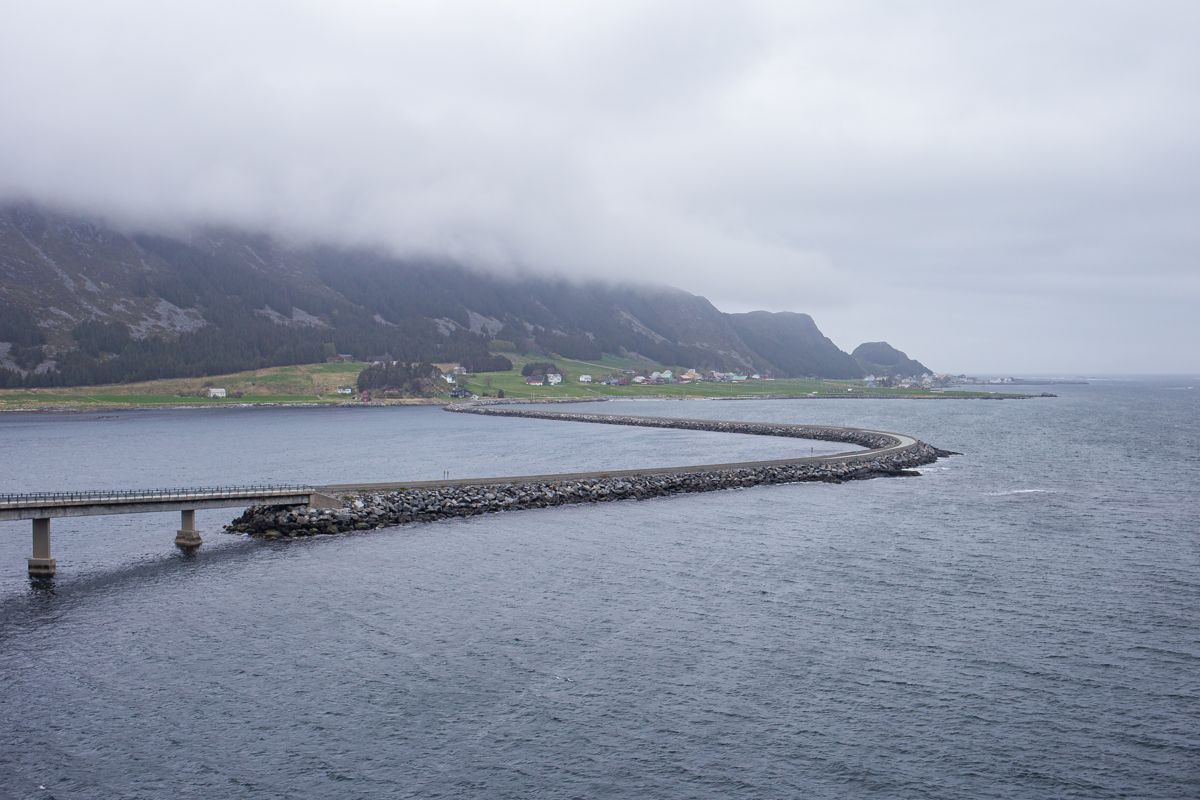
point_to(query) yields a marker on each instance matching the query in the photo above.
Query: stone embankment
(875, 440)
(382, 506)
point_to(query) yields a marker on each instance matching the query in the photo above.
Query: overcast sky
(991, 186)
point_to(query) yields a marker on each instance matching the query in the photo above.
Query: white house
(554, 379)
(447, 378)
(585, 378)
(345, 390)
(215, 393)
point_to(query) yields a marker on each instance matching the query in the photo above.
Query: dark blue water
(1022, 621)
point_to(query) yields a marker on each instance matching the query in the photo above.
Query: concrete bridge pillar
(41, 565)
(187, 537)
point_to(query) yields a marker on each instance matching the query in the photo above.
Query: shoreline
(442, 401)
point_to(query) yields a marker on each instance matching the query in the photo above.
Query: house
(448, 378)
(667, 376)
(216, 394)
(342, 357)
(585, 378)
(639, 379)
(535, 380)
(554, 379)
(690, 375)
(345, 390)
(460, 391)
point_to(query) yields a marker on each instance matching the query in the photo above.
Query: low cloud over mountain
(84, 303)
(1021, 166)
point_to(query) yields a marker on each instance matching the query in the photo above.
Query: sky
(1002, 186)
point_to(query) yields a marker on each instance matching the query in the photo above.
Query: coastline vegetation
(308, 383)
(313, 384)
(514, 386)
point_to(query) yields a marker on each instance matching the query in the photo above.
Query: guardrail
(200, 493)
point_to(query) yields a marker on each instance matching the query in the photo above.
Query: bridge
(44, 506)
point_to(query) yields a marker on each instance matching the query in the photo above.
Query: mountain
(793, 344)
(880, 358)
(82, 302)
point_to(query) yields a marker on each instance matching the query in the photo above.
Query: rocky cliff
(880, 358)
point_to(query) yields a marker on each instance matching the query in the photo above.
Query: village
(631, 377)
(394, 380)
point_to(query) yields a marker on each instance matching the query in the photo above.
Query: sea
(1019, 621)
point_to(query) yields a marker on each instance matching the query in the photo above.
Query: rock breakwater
(384, 506)
(826, 433)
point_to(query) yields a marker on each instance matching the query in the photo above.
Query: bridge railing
(118, 495)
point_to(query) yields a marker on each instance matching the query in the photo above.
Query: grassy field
(317, 383)
(308, 383)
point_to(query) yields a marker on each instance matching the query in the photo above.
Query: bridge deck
(42, 505)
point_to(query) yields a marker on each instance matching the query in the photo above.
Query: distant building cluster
(985, 381)
(630, 377)
(925, 381)
(549, 379)
(452, 374)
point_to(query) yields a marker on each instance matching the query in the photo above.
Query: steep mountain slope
(880, 358)
(793, 344)
(82, 302)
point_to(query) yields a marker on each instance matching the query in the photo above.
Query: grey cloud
(983, 164)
